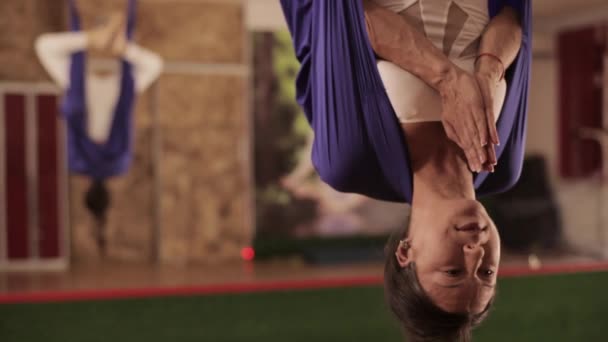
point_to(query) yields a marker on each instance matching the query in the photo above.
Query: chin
(469, 206)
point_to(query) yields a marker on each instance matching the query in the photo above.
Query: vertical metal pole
(248, 148)
(602, 226)
(63, 203)
(3, 228)
(155, 235)
(31, 138)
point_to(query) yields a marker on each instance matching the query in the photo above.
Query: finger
(474, 155)
(478, 148)
(491, 162)
(488, 100)
(477, 131)
(470, 153)
(472, 159)
(479, 114)
(492, 125)
(488, 167)
(491, 119)
(470, 140)
(450, 131)
(481, 124)
(491, 152)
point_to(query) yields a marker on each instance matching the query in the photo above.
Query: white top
(453, 26)
(102, 90)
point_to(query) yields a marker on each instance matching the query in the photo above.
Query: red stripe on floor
(54, 296)
(108, 294)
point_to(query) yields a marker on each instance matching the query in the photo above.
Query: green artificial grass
(549, 309)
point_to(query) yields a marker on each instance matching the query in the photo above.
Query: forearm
(147, 65)
(501, 38)
(397, 41)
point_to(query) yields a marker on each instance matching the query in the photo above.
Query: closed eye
(486, 273)
(453, 272)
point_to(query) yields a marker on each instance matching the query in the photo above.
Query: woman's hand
(464, 117)
(119, 44)
(489, 72)
(103, 38)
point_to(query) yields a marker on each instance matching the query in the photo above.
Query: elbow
(517, 33)
(158, 65)
(42, 43)
(155, 68)
(153, 65)
(514, 20)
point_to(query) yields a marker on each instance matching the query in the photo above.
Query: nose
(473, 253)
(473, 237)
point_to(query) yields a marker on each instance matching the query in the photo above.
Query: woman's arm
(502, 38)
(147, 65)
(395, 40)
(54, 51)
(463, 117)
(499, 46)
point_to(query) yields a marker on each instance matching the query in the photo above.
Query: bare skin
(465, 118)
(452, 240)
(108, 40)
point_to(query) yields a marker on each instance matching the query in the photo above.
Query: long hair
(421, 319)
(97, 200)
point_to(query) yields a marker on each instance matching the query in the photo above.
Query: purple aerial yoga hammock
(359, 145)
(99, 161)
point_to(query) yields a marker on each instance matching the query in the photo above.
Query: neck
(439, 165)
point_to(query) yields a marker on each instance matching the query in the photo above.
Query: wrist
(490, 66)
(446, 79)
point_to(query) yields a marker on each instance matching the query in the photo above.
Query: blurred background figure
(220, 196)
(98, 98)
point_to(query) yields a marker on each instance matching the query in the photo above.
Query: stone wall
(203, 206)
(21, 21)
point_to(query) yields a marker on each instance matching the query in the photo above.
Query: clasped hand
(468, 114)
(110, 36)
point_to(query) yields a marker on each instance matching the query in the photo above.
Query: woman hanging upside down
(421, 101)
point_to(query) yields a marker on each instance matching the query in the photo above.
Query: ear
(403, 253)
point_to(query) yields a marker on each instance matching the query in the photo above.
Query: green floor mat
(549, 308)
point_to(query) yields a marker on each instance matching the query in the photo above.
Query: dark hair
(97, 200)
(422, 320)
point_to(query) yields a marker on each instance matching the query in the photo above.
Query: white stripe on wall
(31, 150)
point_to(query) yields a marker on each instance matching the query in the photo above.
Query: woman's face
(456, 249)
